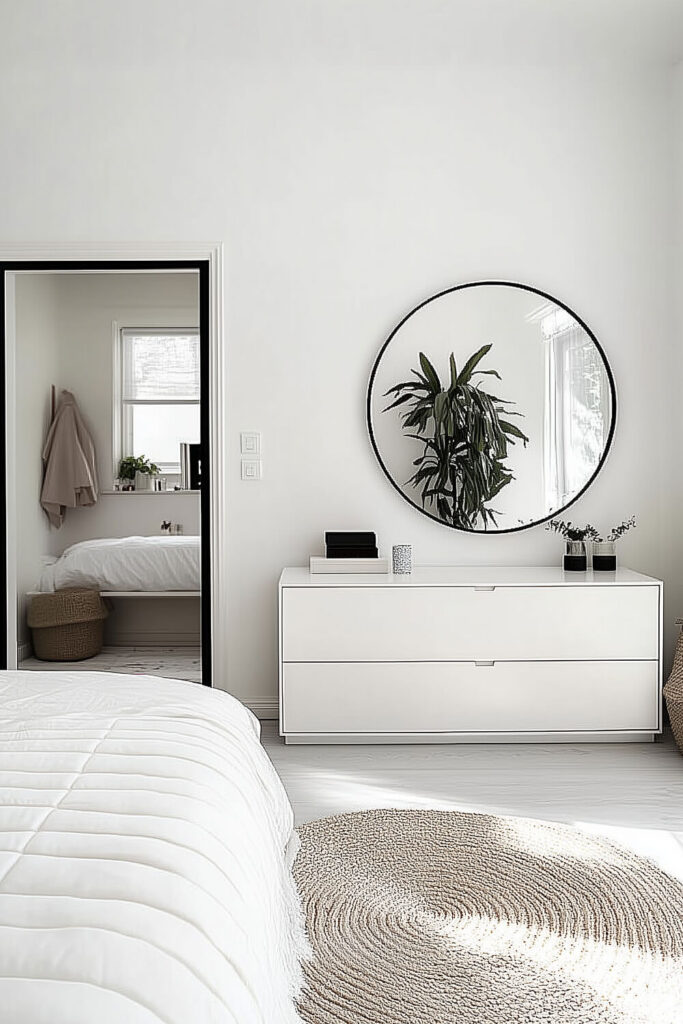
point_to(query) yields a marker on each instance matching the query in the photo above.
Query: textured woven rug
(431, 917)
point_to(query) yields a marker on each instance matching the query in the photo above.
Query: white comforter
(144, 864)
(127, 563)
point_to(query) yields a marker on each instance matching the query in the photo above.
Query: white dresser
(470, 654)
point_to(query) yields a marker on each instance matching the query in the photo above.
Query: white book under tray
(349, 565)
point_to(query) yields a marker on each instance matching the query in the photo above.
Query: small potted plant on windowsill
(605, 549)
(137, 473)
(575, 543)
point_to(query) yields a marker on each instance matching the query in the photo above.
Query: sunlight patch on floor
(362, 794)
(660, 846)
(531, 837)
(607, 968)
(338, 792)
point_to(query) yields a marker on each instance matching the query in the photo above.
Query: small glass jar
(575, 556)
(402, 559)
(604, 556)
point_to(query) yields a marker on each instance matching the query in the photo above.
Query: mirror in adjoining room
(491, 407)
(104, 444)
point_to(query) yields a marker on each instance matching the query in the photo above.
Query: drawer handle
(484, 664)
(484, 590)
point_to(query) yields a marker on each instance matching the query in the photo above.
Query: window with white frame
(578, 407)
(159, 394)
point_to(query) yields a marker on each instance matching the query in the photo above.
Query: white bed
(128, 565)
(145, 848)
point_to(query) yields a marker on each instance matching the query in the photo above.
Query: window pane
(158, 431)
(158, 366)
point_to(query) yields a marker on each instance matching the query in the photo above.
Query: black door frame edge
(202, 266)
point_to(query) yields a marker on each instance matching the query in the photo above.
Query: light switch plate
(250, 442)
(251, 469)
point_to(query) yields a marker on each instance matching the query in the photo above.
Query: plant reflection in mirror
(466, 432)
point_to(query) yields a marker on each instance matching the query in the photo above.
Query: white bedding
(145, 846)
(127, 563)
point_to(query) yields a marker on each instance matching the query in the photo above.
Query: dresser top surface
(469, 576)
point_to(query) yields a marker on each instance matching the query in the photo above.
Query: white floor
(172, 662)
(630, 792)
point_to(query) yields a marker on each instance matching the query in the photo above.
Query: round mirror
(491, 407)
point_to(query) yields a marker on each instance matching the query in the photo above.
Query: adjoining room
(106, 440)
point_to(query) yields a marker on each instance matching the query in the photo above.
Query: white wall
(353, 168)
(87, 306)
(674, 497)
(127, 515)
(35, 369)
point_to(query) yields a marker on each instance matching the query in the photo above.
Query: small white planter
(144, 482)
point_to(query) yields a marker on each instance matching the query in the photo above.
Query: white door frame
(212, 253)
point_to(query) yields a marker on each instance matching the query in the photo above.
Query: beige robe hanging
(70, 478)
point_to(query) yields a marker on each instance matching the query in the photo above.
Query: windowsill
(155, 494)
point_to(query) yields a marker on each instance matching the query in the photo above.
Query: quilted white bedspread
(145, 848)
(127, 563)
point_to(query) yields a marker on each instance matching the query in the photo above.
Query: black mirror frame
(85, 264)
(608, 370)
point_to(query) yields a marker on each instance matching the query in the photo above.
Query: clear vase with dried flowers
(575, 554)
(605, 548)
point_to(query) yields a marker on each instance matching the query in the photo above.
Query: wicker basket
(673, 694)
(67, 625)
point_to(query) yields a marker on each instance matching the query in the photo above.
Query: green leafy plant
(132, 464)
(618, 531)
(466, 433)
(571, 532)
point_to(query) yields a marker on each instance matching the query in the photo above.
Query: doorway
(129, 342)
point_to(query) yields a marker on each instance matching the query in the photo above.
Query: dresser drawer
(393, 623)
(504, 697)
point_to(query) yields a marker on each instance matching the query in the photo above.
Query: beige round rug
(431, 917)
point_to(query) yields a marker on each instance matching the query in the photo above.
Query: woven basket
(673, 694)
(67, 625)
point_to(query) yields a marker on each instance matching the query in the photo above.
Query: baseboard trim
(265, 708)
(150, 638)
(468, 737)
